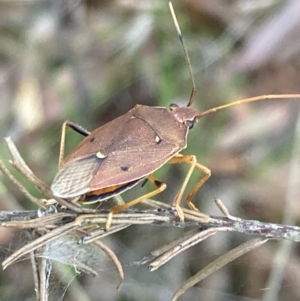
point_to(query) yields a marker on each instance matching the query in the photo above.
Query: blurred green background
(92, 61)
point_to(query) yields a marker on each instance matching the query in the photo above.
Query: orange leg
(192, 161)
(160, 187)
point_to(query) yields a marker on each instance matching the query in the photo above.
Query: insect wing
(80, 166)
(101, 138)
(135, 152)
(74, 177)
(123, 150)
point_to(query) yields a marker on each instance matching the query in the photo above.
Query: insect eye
(173, 106)
(190, 123)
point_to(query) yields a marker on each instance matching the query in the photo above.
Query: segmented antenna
(250, 99)
(187, 58)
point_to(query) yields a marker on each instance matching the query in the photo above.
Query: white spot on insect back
(100, 155)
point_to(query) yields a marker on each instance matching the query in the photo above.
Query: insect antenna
(251, 99)
(187, 58)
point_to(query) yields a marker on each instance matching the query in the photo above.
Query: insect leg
(76, 127)
(207, 174)
(191, 160)
(161, 186)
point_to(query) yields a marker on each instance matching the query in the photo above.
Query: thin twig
(100, 233)
(109, 252)
(39, 242)
(219, 263)
(151, 217)
(184, 245)
(21, 187)
(35, 273)
(48, 221)
(45, 272)
(23, 168)
(113, 257)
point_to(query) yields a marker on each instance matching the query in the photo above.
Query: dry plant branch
(88, 226)
(219, 263)
(162, 217)
(35, 273)
(19, 164)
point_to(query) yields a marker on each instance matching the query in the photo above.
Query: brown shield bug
(127, 150)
